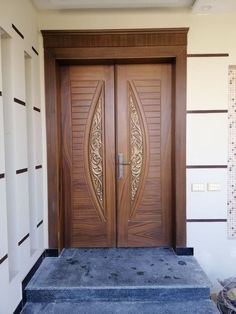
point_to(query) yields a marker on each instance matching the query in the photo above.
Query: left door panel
(88, 156)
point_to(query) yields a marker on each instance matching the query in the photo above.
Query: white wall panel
(39, 193)
(22, 203)
(4, 288)
(21, 136)
(2, 149)
(38, 138)
(3, 220)
(36, 81)
(207, 82)
(208, 204)
(215, 253)
(18, 67)
(207, 136)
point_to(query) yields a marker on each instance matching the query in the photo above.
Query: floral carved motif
(96, 152)
(136, 147)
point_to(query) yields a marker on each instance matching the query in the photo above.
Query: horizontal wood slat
(119, 38)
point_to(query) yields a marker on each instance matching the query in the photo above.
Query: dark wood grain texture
(144, 136)
(120, 45)
(88, 172)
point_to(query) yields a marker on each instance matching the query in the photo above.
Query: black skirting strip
(207, 167)
(23, 239)
(19, 308)
(40, 223)
(35, 51)
(17, 31)
(3, 258)
(184, 251)
(206, 220)
(207, 55)
(208, 111)
(51, 252)
(36, 109)
(39, 167)
(19, 171)
(2, 175)
(18, 101)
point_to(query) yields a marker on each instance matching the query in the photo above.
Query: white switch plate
(198, 187)
(213, 187)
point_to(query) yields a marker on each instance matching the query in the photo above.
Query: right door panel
(144, 132)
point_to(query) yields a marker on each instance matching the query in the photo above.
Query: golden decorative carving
(136, 147)
(96, 151)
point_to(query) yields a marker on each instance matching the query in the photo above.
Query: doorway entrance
(116, 125)
(64, 48)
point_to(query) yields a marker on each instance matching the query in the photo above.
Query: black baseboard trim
(28, 277)
(18, 309)
(51, 253)
(184, 251)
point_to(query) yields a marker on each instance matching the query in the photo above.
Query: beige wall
(208, 33)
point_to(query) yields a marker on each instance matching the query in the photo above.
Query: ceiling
(196, 6)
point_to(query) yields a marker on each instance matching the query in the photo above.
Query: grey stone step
(187, 307)
(118, 275)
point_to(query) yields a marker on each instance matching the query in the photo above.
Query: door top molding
(115, 38)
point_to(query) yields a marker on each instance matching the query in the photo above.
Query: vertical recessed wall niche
(10, 154)
(39, 170)
(31, 152)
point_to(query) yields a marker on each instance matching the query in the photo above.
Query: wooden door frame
(107, 46)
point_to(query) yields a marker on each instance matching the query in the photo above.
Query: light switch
(213, 187)
(198, 187)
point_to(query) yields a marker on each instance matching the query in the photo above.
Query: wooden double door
(116, 158)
